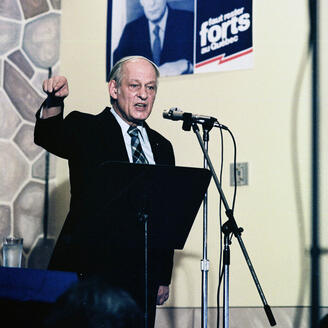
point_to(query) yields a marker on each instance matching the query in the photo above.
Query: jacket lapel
(113, 137)
(155, 144)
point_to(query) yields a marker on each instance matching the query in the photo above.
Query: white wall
(257, 105)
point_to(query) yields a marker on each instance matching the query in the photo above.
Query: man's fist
(56, 87)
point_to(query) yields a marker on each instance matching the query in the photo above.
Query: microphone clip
(188, 121)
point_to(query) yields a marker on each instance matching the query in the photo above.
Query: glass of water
(12, 252)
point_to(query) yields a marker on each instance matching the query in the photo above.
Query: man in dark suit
(163, 35)
(87, 141)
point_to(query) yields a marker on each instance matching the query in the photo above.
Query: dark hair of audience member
(94, 304)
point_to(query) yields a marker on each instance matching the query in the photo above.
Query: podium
(120, 194)
(139, 206)
(169, 195)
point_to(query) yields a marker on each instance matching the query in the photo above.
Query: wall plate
(241, 174)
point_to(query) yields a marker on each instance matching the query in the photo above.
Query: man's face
(154, 9)
(136, 94)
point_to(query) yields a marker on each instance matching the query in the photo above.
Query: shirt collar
(125, 126)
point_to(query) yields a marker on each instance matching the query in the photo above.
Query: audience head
(93, 303)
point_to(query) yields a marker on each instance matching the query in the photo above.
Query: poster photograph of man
(160, 30)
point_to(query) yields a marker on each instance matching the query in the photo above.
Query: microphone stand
(230, 226)
(205, 264)
(143, 218)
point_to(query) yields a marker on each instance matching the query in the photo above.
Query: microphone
(175, 114)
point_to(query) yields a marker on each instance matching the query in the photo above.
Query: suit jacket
(178, 38)
(86, 141)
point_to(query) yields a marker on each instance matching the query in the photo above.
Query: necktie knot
(156, 31)
(133, 131)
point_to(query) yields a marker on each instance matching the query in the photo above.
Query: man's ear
(112, 88)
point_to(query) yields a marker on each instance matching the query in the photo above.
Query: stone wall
(29, 47)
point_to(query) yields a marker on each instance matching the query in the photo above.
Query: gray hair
(116, 72)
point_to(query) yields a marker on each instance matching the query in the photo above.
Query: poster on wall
(182, 36)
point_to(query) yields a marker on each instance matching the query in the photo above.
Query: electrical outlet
(241, 174)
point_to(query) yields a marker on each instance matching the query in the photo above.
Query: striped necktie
(138, 155)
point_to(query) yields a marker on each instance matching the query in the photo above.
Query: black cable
(234, 169)
(295, 163)
(221, 271)
(221, 239)
(297, 184)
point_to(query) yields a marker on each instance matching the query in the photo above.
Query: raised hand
(56, 87)
(57, 90)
